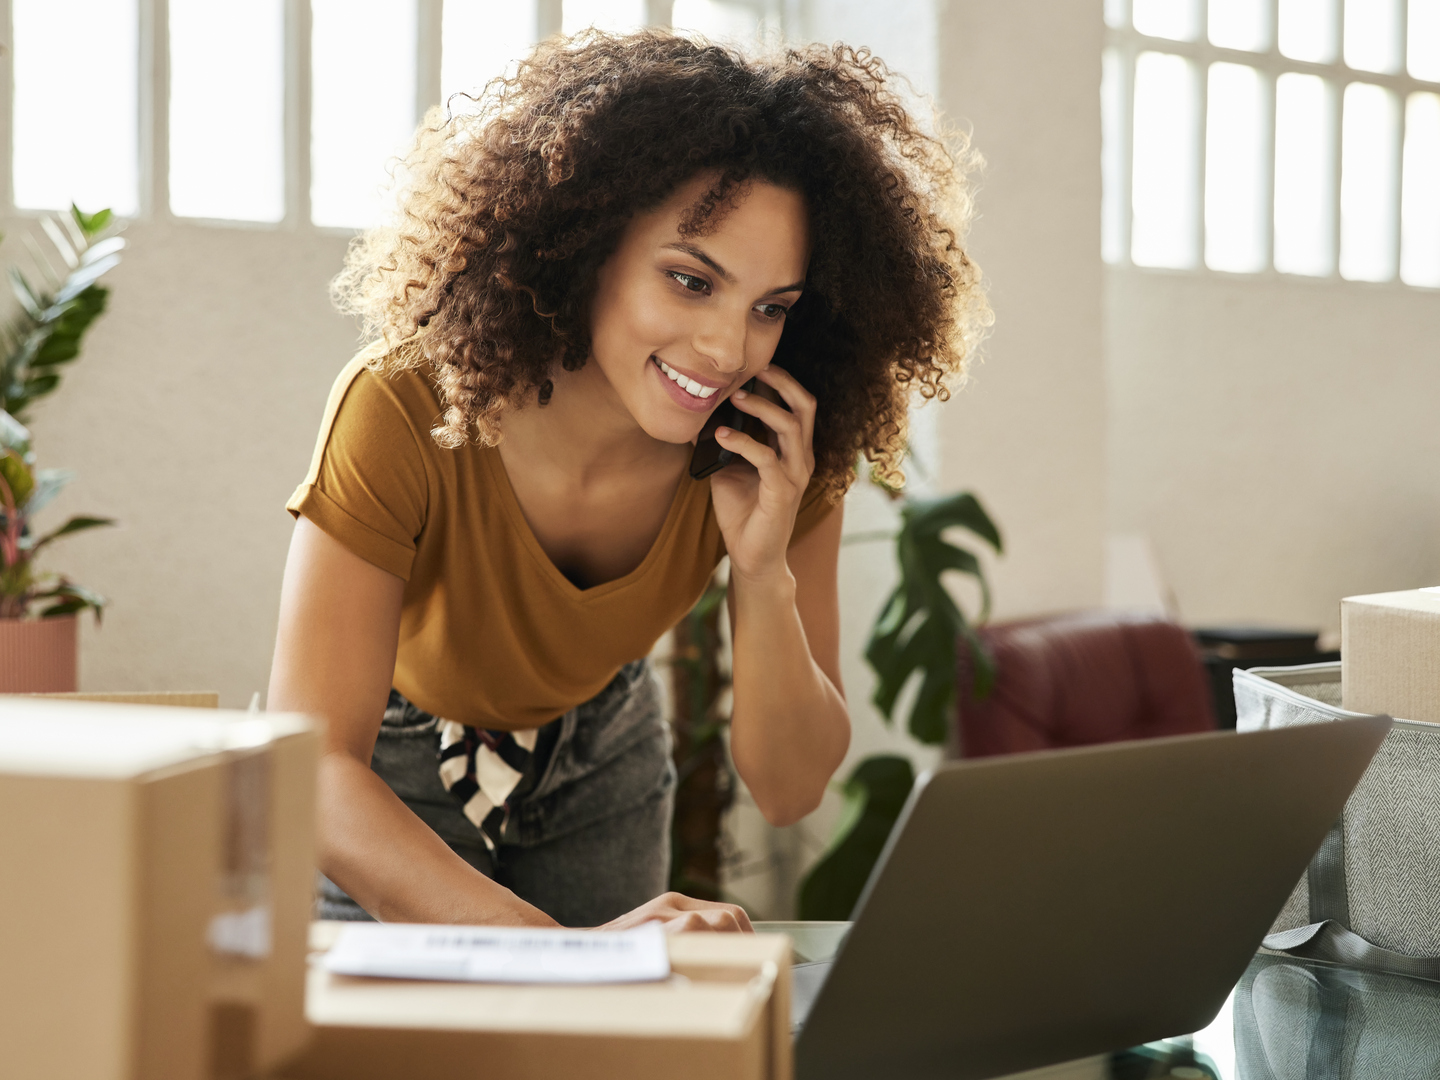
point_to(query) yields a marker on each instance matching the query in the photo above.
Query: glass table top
(1287, 1019)
(1291, 1019)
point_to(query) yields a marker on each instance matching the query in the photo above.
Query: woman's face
(679, 323)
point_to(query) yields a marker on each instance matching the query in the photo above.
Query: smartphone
(709, 455)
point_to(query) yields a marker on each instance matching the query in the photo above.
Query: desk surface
(1293, 1019)
(1287, 1019)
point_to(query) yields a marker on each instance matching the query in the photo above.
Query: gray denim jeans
(587, 837)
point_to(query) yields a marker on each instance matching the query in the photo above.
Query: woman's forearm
(393, 865)
(790, 729)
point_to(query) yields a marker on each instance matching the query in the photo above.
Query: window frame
(1128, 43)
(153, 134)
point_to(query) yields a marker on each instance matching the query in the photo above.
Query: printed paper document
(500, 954)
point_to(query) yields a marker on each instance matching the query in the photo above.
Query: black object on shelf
(1227, 647)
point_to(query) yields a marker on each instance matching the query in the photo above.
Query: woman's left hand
(756, 507)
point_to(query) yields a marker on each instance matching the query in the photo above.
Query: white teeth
(690, 386)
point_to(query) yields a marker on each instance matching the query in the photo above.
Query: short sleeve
(367, 486)
(815, 507)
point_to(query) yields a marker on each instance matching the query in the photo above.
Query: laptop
(1043, 907)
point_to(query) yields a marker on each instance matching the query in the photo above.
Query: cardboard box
(156, 875)
(1390, 654)
(723, 1015)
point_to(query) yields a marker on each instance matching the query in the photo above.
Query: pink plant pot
(38, 656)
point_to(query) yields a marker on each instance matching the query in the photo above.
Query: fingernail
(721, 432)
(739, 394)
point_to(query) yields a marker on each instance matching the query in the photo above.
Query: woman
(499, 522)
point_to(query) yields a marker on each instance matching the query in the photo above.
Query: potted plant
(917, 633)
(38, 610)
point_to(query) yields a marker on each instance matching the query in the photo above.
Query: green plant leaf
(26, 295)
(90, 224)
(48, 484)
(930, 716)
(71, 598)
(77, 281)
(74, 525)
(13, 434)
(100, 249)
(920, 624)
(963, 510)
(17, 476)
(63, 247)
(48, 330)
(875, 794)
(38, 385)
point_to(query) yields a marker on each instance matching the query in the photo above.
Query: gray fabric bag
(1295, 1021)
(1371, 896)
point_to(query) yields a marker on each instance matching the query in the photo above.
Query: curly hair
(505, 214)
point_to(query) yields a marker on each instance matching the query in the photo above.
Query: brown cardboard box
(723, 1015)
(1390, 654)
(137, 841)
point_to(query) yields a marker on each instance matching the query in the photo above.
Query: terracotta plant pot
(38, 656)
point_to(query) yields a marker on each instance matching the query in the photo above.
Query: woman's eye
(690, 281)
(772, 312)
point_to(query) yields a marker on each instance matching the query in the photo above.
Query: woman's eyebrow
(697, 253)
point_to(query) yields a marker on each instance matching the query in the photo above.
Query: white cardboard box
(132, 837)
(1390, 654)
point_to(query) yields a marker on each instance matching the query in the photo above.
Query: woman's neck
(584, 431)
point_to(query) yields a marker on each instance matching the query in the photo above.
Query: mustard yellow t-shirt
(491, 633)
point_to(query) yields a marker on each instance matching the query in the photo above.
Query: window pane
(479, 40)
(1369, 175)
(75, 58)
(1235, 159)
(1424, 29)
(716, 20)
(1304, 171)
(1166, 149)
(227, 110)
(1112, 158)
(620, 16)
(1308, 29)
(362, 104)
(1372, 35)
(1420, 211)
(1240, 24)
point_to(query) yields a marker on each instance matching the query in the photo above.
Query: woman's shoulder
(375, 390)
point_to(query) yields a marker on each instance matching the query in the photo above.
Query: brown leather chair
(1079, 679)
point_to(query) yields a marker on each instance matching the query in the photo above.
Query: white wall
(190, 417)
(1278, 439)
(1028, 436)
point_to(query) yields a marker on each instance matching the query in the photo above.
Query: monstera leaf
(916, 635)
(874, 796)
(920, 624)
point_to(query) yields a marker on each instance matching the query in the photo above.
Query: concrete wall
(190, 417)
(1028, 435)
(1277, 439)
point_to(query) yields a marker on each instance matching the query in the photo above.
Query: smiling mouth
(696, 390)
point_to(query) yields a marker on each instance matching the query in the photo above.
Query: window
(620, 16)
(223, 132)
(480, 40)
(227, 111)
(1298, 135)
(357, 124)
(75, 109)
(719, 20)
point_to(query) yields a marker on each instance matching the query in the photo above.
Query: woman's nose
(721, 339)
